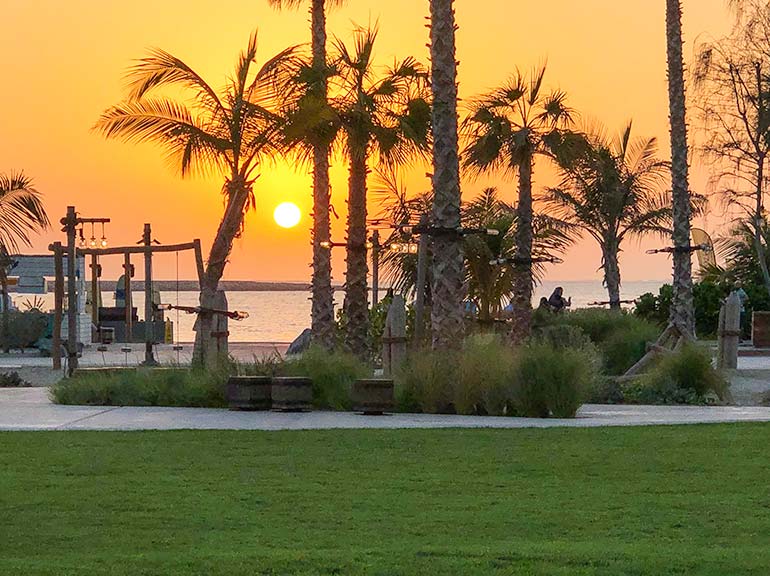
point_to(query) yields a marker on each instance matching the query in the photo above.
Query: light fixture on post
(104, 238)
(81, 237)
(92, 242)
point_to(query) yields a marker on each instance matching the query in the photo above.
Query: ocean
(279, 316)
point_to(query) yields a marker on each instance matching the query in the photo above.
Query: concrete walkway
(30, 409)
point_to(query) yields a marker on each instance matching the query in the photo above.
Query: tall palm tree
(21, 214)
(682, 307)
(447, 287)
(230, 132)
(507, 129)
(322, 312)
(613, 189)
(386, 118)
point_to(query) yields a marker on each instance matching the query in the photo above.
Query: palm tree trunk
(446, 312)
(522, 278)
(611, 268)
(229, 227)
(356, 292)
(322, 310)
(682, 311)
(6, 342)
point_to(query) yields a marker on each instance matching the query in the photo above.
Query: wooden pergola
(147, 248)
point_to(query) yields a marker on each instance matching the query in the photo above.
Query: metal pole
(149, 326)
(422, 272)
(375, 267)
(70, 225)
(128, 298)
(58, 298)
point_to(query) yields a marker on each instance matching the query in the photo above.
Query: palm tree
(322, 313)
(491, 286)
(230, 132)
(387, 118)
(447, 287)
(613, 190)
(488, 286)
(21, 214)
(506, 130)
(682, 307)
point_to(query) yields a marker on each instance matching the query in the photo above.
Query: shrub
(686, 377)
(143, 387)
(620, 337)
(483, 382)
(552, 381)
(24, 328)
(424, 383)
(332, 373)
(12, 380)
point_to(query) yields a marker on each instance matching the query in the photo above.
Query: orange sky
(62, 64)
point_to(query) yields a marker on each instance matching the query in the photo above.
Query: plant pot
(373, 396)
(760, 329)
(248, 393)
(292, 394)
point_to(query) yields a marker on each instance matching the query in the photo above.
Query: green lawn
(662, 500)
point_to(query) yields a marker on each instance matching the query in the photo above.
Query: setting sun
(287, 215)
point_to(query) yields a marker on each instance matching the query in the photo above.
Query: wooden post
(199, 262)
(729, 332)
(422, 272)
(95, 290)
(128, 298)
(394, 338)
(375, 267)
(58, 298)
(70, 225)
(149, 325)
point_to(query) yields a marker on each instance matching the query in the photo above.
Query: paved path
(30, 409)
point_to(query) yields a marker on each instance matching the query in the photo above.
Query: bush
(143, 387)
(332, 373)
(425, 382)
(620, 337)
(552, 381)
(483, 382)
(24, 329)
(12, 380)
(686, 377)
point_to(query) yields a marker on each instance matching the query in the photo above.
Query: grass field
(662, 500)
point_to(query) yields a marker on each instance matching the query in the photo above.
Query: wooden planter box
(373, 396)
(248, 393)
(760, 329)
(292, 394)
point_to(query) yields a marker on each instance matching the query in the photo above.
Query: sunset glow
(80, 51)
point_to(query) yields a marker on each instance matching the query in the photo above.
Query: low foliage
(686, 377)
(24, 329)
(332, 373)
(143, 387)
(487, 376)
(620, 337)
(12, 380)
(552, 381)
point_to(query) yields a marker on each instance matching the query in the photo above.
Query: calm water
(281, 316)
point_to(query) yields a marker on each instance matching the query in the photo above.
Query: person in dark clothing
(557, 302)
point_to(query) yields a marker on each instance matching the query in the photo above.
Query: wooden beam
(129, 301)
(137, 249)
(149, 325)
(70, 223)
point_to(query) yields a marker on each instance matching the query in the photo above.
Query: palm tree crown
(506, 129)
(230, 131)
(21, 211)
(612, 189)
